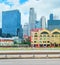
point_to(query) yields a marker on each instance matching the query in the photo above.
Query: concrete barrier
(29, 55)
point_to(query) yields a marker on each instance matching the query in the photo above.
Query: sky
(42, 8)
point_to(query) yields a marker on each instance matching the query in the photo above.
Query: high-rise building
(54, 17)
(25, 29)
(11, 23)
(53, 24)
(51, 17)
(0, 32)
(32, 18)
(43, 22)
(37, 24)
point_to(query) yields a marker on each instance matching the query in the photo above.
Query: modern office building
(51, 16)
(53, 24)
(0, 32)
(32, 18)
(37, 24)
(43, 22)
(11, 23)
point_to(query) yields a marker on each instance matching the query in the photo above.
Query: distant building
(11, 23)
(37, 24)
(32, 19)
(0, 32)
(43, 22)
(25, 29)
(51, 17)
(6, 41)
(53, 24)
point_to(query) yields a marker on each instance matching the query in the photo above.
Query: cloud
(42, 8)
(56, 12)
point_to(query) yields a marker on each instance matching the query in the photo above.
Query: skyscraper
(11, 23)
(53, 24)
(25, 29)
(43, 22)
(32, 18)
(51, 17)
(37, 24)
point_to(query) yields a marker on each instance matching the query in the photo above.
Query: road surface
(29, 61)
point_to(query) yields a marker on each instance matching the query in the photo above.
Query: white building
(25, 29)
(43, 22)
(32, 19)
(6, 41)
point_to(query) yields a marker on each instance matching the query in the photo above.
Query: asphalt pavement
(29, 61)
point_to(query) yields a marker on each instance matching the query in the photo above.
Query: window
(47, 41)
(44, 38)
(52, 35)
(34, 41)
(40, 38)
(35, 35)
(40, 41)
(44, 35)
(41, 45)
(47, 35)
(44, 41)
(35, 38)
(56, 36)
(40, 35)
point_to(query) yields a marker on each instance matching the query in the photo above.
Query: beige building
(45, 38)
(55, 37)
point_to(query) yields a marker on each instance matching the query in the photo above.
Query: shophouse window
(35, 33)
(44, 41)
(40, 41)
(40, 35)
(44, 35)
(34, 41)
(44, 38)
(47, 41)
(35, 36)
(47, 35)
(40, 38)
(52, 35)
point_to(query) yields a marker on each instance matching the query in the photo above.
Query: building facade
(53, 23)
(37, 24)
(11, 23)
(32, 19)
(6, 42)
(43, 22)
(45, 38)
(25, 29)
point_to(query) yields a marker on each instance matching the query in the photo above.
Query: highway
(30, 62)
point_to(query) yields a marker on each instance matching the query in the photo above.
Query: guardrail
(28, 55)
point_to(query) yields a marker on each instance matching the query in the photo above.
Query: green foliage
(27, 41)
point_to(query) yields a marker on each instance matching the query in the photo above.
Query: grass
(17, 48)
